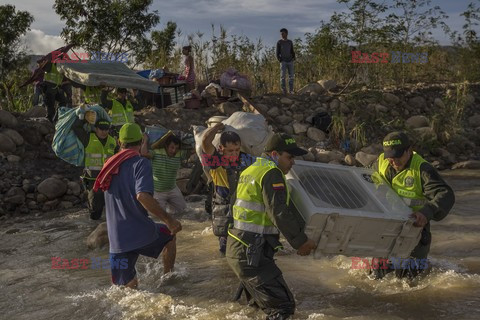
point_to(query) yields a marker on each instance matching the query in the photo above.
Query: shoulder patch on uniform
(278, 186)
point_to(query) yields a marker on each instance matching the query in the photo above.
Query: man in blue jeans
(127, 181)
(286, 56)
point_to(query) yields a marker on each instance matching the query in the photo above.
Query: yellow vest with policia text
(408, 183)
(96, 153)
(53, 75)
(120, 114)
(249, 213)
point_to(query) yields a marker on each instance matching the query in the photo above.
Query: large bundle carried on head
(65, 143)
(252, 129)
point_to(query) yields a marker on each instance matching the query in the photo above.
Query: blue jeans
(284, 66)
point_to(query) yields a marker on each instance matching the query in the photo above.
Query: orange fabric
(111, 167)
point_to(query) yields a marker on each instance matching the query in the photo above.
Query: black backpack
(322, 121)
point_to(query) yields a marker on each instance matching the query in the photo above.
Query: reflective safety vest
(53, 75)
(92, 95)
(249, 213)
(408, 183)
(96, 153)
(121, 115)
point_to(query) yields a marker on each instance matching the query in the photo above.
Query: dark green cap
(395, 144)
(283, 142)
(102, 124)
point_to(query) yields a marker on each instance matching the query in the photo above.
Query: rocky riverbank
(444, 120)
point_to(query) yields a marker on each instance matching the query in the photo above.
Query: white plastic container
(347, 213)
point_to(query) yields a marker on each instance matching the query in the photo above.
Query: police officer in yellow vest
(260, 212)
(121, 109)
(52, 90)
(420, 186)
(99, 146)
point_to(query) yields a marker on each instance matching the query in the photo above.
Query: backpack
(322, 121)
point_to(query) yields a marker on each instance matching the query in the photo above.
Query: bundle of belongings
(66, 144)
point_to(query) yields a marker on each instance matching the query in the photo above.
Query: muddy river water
(202, 287)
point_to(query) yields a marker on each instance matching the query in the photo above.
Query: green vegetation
(365, 25)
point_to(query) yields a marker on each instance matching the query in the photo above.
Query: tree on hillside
(414, 21)
(112, 26)
(163, 43)
(472, 19)
(13, 24)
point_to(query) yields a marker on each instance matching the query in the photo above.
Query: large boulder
(425, 134)
(299, 128)
(311, 88)
(316, 134)
(99, 237)
(419, 103)
(327, 84)
(36, 112)
(7, 120)
(417, 122)
(52, 188)
(32, 136)
(273, 112)
(283, 119)
(15, 196)
(14, 135)
(365, 159)
(286, 101)
(6, 144)
(74, 187)
(474, 121)
(390, 98)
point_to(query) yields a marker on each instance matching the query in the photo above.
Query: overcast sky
(253, 18)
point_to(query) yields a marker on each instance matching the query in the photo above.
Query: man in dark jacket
(420, 186)
(286, 56)
(261, 211)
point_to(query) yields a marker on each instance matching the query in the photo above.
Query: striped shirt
(165, 169)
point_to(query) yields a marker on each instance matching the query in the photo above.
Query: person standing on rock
(127, 181)
(261, 211)
(420, 186)
(120, 109)
(225, 166)
(189, 72)
(99, 146)
(286, 56)
(166, 162)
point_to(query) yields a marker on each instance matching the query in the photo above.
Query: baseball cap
(395, 144)
(283, 142)
(130, 132)
(102, 124)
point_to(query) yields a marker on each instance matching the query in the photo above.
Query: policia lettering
(120, 114)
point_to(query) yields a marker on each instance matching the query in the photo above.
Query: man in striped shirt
(165, 164)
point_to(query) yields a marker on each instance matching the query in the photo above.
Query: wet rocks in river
(99, 237)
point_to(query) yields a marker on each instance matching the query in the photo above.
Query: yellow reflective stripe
(255, 228)
(238, 239)
(278, 247)
(250, 205)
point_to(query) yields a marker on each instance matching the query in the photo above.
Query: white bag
(252, 129)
